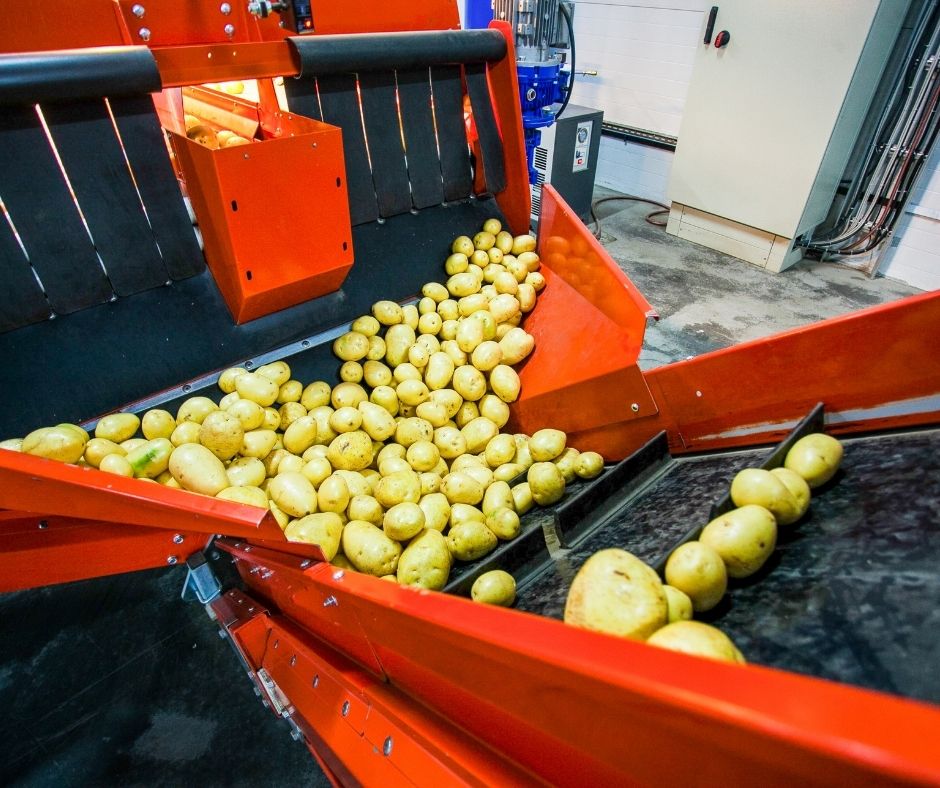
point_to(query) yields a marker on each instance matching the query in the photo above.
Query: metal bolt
(225, 8)
(345, 708)
(277, 643)
(698, 393)
(171, 559)
(144, 33)
(138, 11)
(187, 387)
(305, 563)
(316, 681)
(293, 660)
(247, 548)
(221, 634)
(387, 746)
(330, 601)
(43, 525)
(634, 407)
(177, 539)
(229, 30)
(339, 574)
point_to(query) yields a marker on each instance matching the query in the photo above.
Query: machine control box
(566, 157)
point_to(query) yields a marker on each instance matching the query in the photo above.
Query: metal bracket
(279, 700)
(201, 584)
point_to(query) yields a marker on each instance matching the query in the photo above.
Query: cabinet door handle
(710, 25)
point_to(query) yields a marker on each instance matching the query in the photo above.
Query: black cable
(567, 15)
(630, 198)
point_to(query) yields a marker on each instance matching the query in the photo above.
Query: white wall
(914, 256)
(634, 169)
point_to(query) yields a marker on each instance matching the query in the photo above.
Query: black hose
(567, 15)
(630, 198)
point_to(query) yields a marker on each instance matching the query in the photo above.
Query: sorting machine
(402, 132)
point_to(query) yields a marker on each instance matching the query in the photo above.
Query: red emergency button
(722, 39)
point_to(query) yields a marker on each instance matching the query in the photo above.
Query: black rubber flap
(380, 114)
(451, 132)
(494, 168)
(38, 77)
(91, 154)
(361, 52)
(42, 210)
(417, 118)
(23, 301)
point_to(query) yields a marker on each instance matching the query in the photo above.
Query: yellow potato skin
(495, 587)
(426, 561)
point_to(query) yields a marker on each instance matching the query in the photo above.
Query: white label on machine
(582, 146)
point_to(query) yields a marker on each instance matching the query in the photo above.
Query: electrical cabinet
(778, 95)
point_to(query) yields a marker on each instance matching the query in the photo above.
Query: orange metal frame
(474, 694)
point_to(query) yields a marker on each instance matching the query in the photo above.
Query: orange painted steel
(274, 214)
(40, 551)
(580, 708)
(61, 24)
(588, 331)
(515, 201)
(192, 65)
(383, 738)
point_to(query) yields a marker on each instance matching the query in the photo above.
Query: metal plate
(424, 164)
(91, 154)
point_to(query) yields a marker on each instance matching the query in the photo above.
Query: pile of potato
(397, 470)
(615, 592)
(201, 132)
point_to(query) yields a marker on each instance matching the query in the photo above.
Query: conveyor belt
(852, 592)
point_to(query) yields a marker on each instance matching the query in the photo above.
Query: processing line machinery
(403, 132)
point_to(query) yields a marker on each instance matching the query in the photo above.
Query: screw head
(293, 660)
(229, 30)
(177, 539)
(144, 33)
(171, 559)
(387, 746)
(330, 601)
(305, 563)
(634, 407)
(225, 8)
(43, 525)
(138, 10)
(339, 574)
(345, 708)
(277, 643)
(316, 681)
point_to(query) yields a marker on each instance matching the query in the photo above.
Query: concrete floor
(708, 300)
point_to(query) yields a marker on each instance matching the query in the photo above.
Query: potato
(536, 280)
(333, 494)
(463, 284)
(423, 456)
(349, 372)
(470, 540)
(526, 296)
(762, 488)
(272, 461)
(250, 496)
(132, 443)
(293, 493)
(225, 403)
(466, 461)
(411, 430)
(151, 459)
(462, 488)
(589, 465)
(291, 391)
(316, 394)
(282, 518)
(290, 463)
(546, 482)
(399, 487)
(485, 240)
(271, 419)
(516, 345)
(116, 464)
(504, 307)
(463, 245)
(245, 472)
(471, 304)
(744, 538)
(430, 482)
(356, 483)
(410, 316)
(365, 507)
(450, 399)
(347, 394)
(227, 378)
(250, 414)
(118, 427)
(508, 471)
(495, 587)
(16, 444)
(256, 387)
(500, 449)
(436, 510)
(222, 434)
(55, 443)
(469, 382)
(425, 562)
(481, 473)
(694, 637)
(615, 592)
(546, 445)
(504, 381)
(351, 346)
(797, 485)
(187, 432)
(493, 408)
(258, 443)
(504, 522)
(457, 263)
(698, 571)
(469, 335)
(680, 606)
(486, 355)
(403, 521)
(489, 324)
(351, 451)
(567, 463)
(377, 422)
(498, 495)
(345, 419)
(523, 243)
(412, 392)
(289, 413)
(278, 371)
(522, 498)
(301, 434)
(97, 449)
(503, 241)
(434, 413)
(406, 371)
(197, 469)
(418, 355)
(157, 423)
(324, 529)
(369, 549)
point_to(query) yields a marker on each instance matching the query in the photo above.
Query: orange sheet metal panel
(61, 24)
(274, 214)
(581, 708)
(384, 16)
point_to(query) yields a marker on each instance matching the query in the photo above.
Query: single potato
(324, 529)
(815, 457)
(495, 587)
(698, 571)
(744, 538)
(760, 487)
(425, 562)
(701, 640)
(369, 549)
